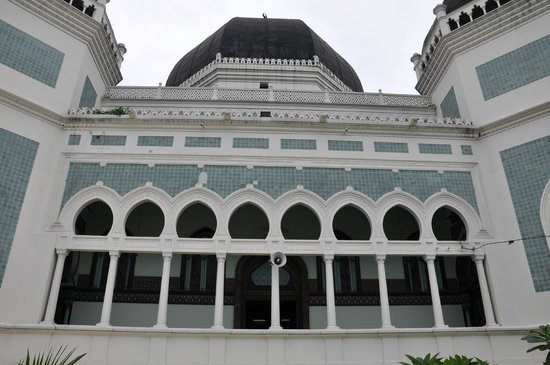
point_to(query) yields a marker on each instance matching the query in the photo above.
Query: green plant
(542, 336)
(51, 358)
(451, 360)
(116, 111)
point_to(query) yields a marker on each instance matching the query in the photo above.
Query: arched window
(448, 226)
(490, 5)
(401, 225)
(300, 223)
(145, 220)
(452, 24)
(463, 19)
(351, 224)
(196, 221)
(95, 219)
(249, 222)
(477, 11)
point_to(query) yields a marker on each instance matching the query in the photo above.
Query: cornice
(29, 108)
(492, 25)
(80, 26)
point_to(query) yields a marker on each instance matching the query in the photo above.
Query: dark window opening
(265, 114)
(448, 226)
(145, 220)
(463, 19)
(248, 222)
(96, 219)
(401, 225)
(351, 224)
(300, 223)
(196, 221)
(452, 24)
(490, 5)
(477, 12)
(264, 85)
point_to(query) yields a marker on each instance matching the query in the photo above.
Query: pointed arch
(153, 195)
(363, 203)
(247, 195)
(460, 206)
(306, 198)
(402, 199)
(199, 195)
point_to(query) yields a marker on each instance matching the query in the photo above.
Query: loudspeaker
(278, 259)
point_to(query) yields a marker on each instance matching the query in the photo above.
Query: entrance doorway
(253, 293)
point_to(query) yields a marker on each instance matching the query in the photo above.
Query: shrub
(51, 358)
(451, 360)
(542, 336)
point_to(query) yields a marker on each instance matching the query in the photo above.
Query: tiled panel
(259, 143)
(74, 139)
(17, 156)
(275, 181)
(203, 142)
(515, 69)
(101, 140)
(28, 55)
(391, 147)
(355, 146)
(449, 105)
(435, 149)
(527, 169)
(88, 96)
(155, 141)
(467, 150)
(298, 144)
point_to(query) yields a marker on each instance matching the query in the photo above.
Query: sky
(377, 38)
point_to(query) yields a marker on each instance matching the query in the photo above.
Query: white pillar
(275, 302)
(434, 290)
(331, 303)
(56, 284)
(164, 290)
(383, 288)
(440, 11)
(484, 289)
(109, 289)
(220, 282)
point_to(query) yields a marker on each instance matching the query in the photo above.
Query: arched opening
(248, 222)
(196, 221)
(463, 19)
(300, 223)
(253, 293)
(350, 223)
(79, 4)
(490, 5)
(95, 219)
(502, 2)
(400, 225)
(145, 220)
(448, 226)
(452, 24)
(477, 11)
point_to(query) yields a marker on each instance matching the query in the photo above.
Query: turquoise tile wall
(515, 69)
(275, 181)
(435, 149)
(28, 55)
(155, 141)
(355, 146)
(203, 142)
(88, 96)
(467, 150)
(527, 169)
(391, 147)
(101, 140)
(449, 105)
(17, 155)
(74, 139)
(298, 144)
(259, 143)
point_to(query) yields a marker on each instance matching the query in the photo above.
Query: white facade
(353, 184)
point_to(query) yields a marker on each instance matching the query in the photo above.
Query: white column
(383, 288)
(434, 290)
(164, 289)
(220, 282)
(331, 303)
(485, 295)
(109, 289)
(275, 302)
(56, 284)
(440, 11)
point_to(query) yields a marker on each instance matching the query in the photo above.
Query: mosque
(261, 208)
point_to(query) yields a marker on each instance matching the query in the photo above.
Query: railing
(262, 95)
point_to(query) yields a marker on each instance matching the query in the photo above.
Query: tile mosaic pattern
(435, 149)
(527, 169)
(74, 139)
(354, 146)
(88, 96)
(101, 140)
(449, 105)
(391, 147)
(467, 150)
(515, 69)
(258, 143)
(212, 142)
(17, 155)
(155, 141)
(28, 55)
(275, 181)
(298, 144)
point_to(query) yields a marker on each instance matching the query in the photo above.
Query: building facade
(261, 208)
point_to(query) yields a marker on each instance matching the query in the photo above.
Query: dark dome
(264, 38)
(452, 5)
